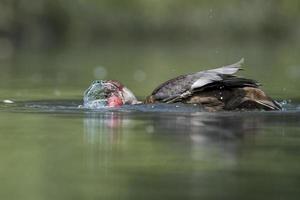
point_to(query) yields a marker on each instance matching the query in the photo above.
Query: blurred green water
(82, 155)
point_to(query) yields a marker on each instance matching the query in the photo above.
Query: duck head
(107, 93)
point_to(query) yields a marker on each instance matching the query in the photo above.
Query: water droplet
(284, 102)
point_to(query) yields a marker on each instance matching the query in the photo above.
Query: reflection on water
(95, 125)
(142, 153)
(201, 136)
(207, 155)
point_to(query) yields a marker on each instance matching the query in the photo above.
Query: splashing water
(286, 105)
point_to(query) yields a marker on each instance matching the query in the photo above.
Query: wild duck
(216, 90)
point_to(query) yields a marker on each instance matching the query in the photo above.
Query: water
(52, 149)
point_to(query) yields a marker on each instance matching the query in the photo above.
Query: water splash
(286, 104)
(76, 106)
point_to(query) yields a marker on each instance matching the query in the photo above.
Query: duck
(108, 93)
(218, 89)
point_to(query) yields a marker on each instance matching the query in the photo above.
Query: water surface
(52, 149)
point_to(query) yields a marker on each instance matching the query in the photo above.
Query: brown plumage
(215, 90)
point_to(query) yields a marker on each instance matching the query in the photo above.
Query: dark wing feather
(229, 82)
(233, 81)
(166, 89)
(174, 89)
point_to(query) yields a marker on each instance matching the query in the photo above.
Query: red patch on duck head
(114, 101)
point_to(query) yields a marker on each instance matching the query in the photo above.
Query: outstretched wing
(185, 85)
(206, 77)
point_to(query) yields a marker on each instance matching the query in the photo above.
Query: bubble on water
(100, 72)
(139, 75)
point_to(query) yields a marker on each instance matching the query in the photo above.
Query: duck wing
(185, 85)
